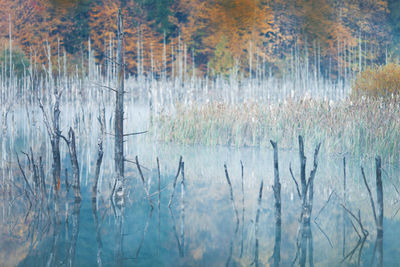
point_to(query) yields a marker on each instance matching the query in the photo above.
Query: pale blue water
(205, 234)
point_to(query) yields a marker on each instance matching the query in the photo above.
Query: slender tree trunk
(119, 108)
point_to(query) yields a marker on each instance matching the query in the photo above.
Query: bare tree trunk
(101, 119)
(119, 109)
(55, 142)
(74, 163)
(303, 161)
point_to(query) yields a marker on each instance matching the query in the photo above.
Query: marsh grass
(363, 128)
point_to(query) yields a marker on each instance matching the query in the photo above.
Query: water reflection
(76, 212)
(98, 232)
(200, 226)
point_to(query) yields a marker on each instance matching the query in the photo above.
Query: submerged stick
(24, 176)
(232, 199)
(370, 195)
(176, 178)
(144, 183)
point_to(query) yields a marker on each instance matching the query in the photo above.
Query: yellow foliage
(382, 81)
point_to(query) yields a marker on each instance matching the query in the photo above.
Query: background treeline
(212, 35)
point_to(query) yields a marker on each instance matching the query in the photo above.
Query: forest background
(216, 35)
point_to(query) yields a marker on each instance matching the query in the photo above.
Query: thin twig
(144, 183)
(294, 179)
(370, 195)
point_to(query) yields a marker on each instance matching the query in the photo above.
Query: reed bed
(363, 127)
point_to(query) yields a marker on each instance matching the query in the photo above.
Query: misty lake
(202, 231)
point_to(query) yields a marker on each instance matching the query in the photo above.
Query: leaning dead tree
(119, 111)
(377, 211)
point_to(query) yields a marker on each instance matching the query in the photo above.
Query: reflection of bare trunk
(277, 246)
(256, 253)
(344, 201)
(119, 240)
(378, 215)
(54, 248)
(379, 248)
(306, 245)
(241, 243)
(183, 208)
(379, 226)
(98, 233)
(144, 233)
(175, 232)
(75, 232)
(276, 257)
(159, 206)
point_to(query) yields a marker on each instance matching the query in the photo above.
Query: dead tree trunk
(55, 142)
(74, 163)
(119, 110)
(304, 239)
(54, 132)
(101, 120)
(277, 184)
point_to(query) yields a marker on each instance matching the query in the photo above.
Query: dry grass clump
(363, 128)
(381, 81)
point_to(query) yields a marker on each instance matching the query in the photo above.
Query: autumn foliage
(217, 33)
(380, 81)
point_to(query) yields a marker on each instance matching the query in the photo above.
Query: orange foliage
(241, 22)
(220, 31)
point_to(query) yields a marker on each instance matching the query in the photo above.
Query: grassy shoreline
(363, 128)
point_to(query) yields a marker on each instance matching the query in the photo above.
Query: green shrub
(381, 81)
